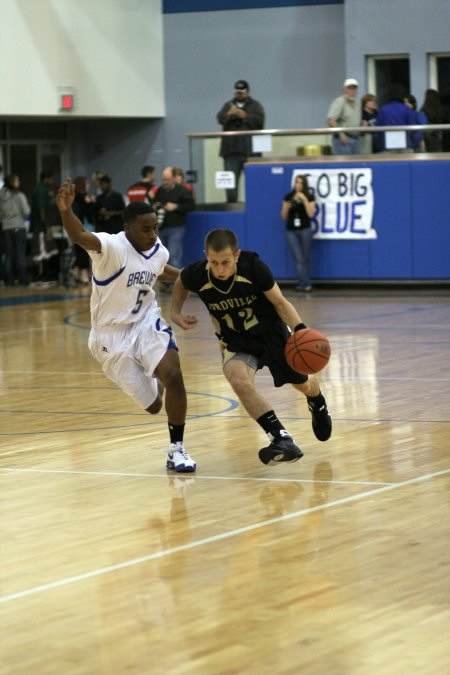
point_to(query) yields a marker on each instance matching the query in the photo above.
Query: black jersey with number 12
(238, 305)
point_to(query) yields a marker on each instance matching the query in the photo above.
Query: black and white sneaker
(280, 450)
(321, 420)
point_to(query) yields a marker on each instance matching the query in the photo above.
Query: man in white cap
(344, 111)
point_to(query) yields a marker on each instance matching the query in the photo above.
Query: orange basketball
(307, 351)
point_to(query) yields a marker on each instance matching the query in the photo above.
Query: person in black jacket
(172, 202)
(242, 113)
(109, 207)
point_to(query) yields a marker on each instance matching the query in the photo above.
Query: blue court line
(232, 405)
(359, 420)
(180, 334)
(356, 321)
(397, 295)
(154, 420)
(40, 298)
(37, 299)
(71, 412)
(31, 387)
(68, 320)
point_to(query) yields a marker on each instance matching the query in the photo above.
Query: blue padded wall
(411, 216)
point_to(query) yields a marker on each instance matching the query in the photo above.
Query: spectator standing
(344, 111)
(172, 203)
(14, 208)
(84, 208)
(242, 113)
(179, 178)
(418, 142)
(44, 250)
(297, 210)
(129, 337)
(369, 113)
(397, 113)
(2, 271)
(141, 191)
(96, 175)
(109, 206)
(434, 112)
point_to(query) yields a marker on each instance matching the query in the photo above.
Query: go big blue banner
(344, 202)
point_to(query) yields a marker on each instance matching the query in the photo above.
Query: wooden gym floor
(335, 565)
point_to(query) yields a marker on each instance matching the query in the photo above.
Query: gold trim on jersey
(209, 285)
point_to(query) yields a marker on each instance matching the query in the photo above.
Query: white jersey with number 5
(123, 280)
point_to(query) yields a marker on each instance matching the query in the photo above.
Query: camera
(160, 213)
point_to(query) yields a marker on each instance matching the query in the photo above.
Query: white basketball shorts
(129, 355)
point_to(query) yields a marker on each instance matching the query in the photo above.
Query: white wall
(110, 51)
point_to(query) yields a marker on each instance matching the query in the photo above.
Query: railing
(206, 166)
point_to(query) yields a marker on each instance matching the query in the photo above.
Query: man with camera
(242, 113)
(172, 202)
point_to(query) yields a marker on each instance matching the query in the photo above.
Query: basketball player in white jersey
(129, 337)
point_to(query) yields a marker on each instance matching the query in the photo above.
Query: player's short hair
(135, 209)
(220, 239)
(148, 168)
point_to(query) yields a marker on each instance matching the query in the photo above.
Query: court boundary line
(130, 474)
(209, 540)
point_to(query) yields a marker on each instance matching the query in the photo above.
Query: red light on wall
(67, 102)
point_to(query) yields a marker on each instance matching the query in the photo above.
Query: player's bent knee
(241, 386)
(155, 407)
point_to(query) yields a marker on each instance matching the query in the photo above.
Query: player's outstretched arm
(73, 225)
(179, 295)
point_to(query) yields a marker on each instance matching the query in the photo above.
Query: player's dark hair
(148, 168)
(397, 92)
(46, 173)
(412, 100)
(220, 239)
(432, 107)
(136, 209)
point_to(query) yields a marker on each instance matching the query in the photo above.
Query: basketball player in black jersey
(252, 320)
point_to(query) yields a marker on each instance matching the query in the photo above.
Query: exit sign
(66, 99)
(67, 102)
